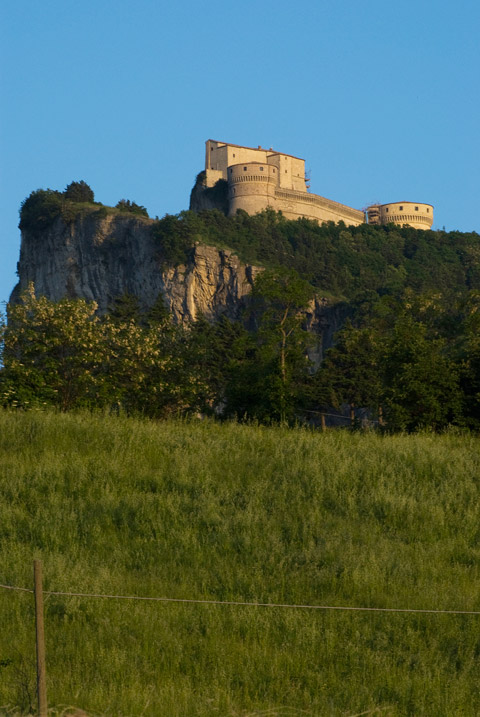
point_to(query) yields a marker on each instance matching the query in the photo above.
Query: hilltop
(402, 303)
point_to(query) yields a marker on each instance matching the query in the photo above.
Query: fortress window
(234, 154)
(386, 209)
(428, 210)
(401, 209)
(261, 169)
(244, 169)
(416, 209)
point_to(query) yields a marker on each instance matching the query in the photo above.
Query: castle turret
(251, 187)
(414, 214)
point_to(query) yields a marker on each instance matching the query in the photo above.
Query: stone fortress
(260, 178)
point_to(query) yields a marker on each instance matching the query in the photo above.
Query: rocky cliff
(101, 258)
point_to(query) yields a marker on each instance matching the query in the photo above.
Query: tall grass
(232, 512)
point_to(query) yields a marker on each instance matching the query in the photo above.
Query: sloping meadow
(201, 511)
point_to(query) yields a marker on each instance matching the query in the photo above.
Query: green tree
(79, 192)
(125, 308)
(421, 382)
(52, 353)
(63, 354)
(351, 372)
(279, 301)
(39, 210)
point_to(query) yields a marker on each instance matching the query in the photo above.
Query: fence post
(40, 639)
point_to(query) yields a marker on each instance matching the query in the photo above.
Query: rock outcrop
(102, 258)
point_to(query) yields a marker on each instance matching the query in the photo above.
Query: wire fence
(240, 603)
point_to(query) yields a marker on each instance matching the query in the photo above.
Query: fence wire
(193, 601)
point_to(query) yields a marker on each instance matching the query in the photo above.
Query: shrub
(125, 205)
(39, 210)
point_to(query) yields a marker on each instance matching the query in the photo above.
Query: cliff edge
(99, 259)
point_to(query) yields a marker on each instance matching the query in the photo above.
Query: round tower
(414, 214)
(251, 187)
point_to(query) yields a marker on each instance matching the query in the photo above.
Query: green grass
(232, 512)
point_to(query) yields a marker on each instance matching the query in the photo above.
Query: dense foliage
(242, 513)
(338, 260)
(411, 362)
(43, 206)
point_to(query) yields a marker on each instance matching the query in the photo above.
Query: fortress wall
(298, 204)
(251, 187)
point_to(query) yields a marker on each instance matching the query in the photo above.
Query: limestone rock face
(99, 259)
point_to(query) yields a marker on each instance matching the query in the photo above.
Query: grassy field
(232, 512)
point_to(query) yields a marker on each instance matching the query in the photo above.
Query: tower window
(386, 209)
(261, 169)
(401, 209)
(244, 169)
(416, 209)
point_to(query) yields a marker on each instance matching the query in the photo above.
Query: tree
(52, 353)
(124, 308)
(351, 371)
(39, 210)
(421, 383)
(278, 300)
(79, 192)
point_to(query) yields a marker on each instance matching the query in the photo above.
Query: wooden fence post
(40, 639)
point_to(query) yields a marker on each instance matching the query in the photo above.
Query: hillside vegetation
(409, 353)
(200, 510)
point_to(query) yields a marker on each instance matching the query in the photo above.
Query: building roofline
(261, 149)
(402, 201)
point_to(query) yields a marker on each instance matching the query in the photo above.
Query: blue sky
(381, 99)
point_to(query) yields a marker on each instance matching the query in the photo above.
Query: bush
(39, 210)
(125, 205)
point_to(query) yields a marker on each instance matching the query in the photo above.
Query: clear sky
(381, 99)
